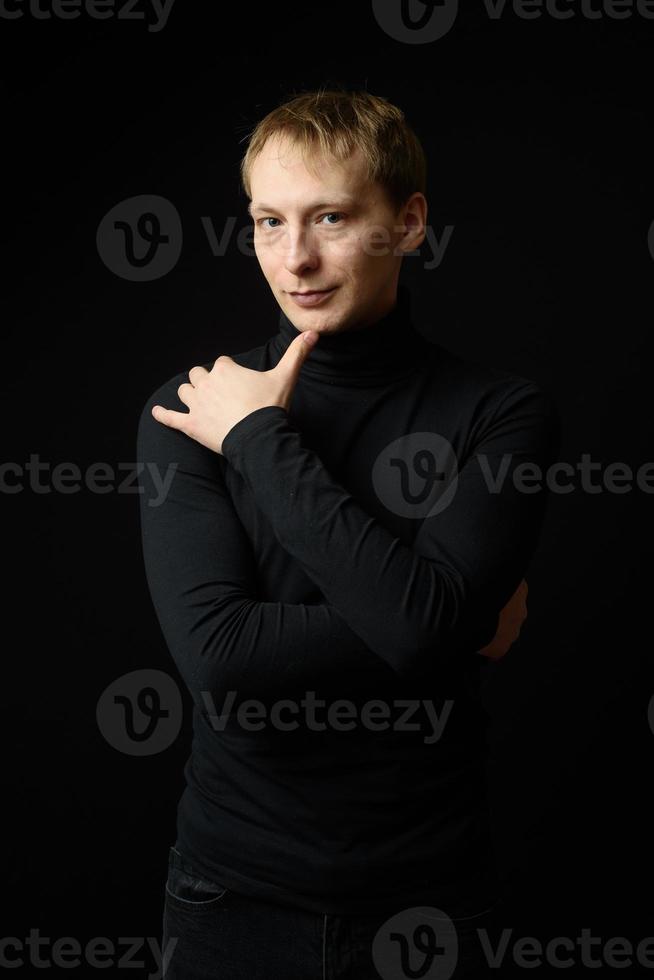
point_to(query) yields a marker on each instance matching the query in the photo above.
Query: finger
(223, 357)
(296, 354)
(174, 420)
(196, 374)
(184, 392)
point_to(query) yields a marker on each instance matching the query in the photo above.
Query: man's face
(335, 231)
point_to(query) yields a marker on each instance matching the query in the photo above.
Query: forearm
(201, 571)
(405, 607)
(413, 606)
(256, 649)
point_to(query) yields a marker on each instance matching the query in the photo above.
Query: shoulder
(488, 399)
(158, 442)
(489, 388)
(165, 393)
(257, 358)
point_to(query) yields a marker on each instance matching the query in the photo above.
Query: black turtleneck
(349, 550)
(385, 351)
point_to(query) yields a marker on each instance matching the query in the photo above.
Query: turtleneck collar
(388, 349)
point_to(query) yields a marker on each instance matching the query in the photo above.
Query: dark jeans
(215, 933)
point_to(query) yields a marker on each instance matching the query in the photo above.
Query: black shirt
(347, 551)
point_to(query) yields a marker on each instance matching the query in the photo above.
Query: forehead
(280, 166)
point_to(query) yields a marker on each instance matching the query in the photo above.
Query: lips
(312, 297)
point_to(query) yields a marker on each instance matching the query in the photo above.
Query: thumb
(297, 352)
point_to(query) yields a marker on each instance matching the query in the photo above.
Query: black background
(538, 135)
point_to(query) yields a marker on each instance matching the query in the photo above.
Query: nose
(300, 253)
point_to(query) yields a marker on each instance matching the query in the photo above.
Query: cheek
(373, 246)
(265, 255)
(378, 243)
(272, 251)
(352, 248)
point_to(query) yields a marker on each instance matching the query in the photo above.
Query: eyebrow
(344, 202)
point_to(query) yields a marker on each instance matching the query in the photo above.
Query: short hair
(336, 122)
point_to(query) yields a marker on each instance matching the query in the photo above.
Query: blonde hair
(337, 122)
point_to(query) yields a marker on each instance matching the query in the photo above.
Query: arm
(201, 572)
(407, 604)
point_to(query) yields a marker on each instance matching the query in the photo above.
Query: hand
(220, 398)
(510, 622)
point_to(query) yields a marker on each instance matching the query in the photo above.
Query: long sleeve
(276, 572)
(407, 603)
(201, 572)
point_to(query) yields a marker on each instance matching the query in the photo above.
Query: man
(333, 539)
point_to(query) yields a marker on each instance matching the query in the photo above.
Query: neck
(387, 349)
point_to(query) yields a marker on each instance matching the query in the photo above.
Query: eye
(268, 219)
(331, 213)
(328, 214)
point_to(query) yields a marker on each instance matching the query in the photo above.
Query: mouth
(312, 297)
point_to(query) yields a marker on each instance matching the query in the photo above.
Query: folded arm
(408, 604)
(202, 575)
